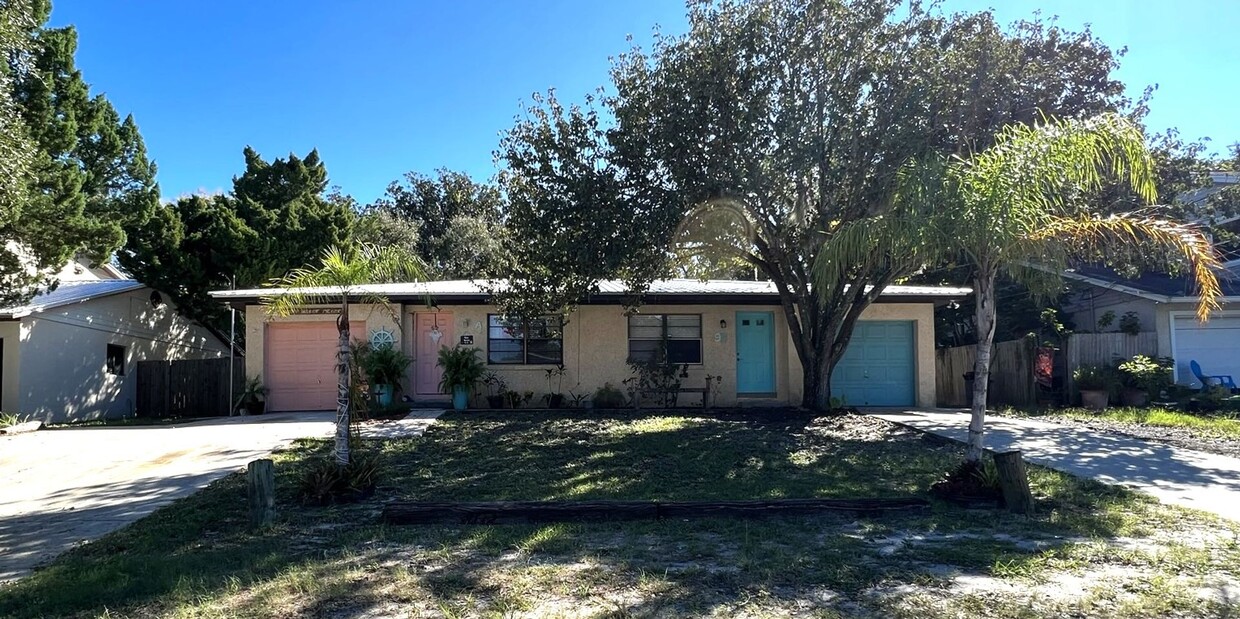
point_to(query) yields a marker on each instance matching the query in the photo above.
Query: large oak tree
(762, 131)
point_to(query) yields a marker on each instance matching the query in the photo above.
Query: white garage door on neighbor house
(1214, 345)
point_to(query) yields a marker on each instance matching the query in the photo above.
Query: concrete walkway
(1177, 476)
(64, 486)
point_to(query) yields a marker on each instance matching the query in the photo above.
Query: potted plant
(1095, 384)
(555, 397)
(385, 366)
(496, 388)
(462, 369)
(1144, 378)
(253, 397)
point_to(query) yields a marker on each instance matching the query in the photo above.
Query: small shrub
(987, 475)
(1106, 320)
(9, 419)
(608, 396)
(1147, 374)
(323, 482)
(1130, 323)
(1095, 378)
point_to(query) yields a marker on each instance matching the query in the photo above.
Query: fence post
(261, 484)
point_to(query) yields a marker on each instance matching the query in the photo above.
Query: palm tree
(340, 277)
(1021, 208)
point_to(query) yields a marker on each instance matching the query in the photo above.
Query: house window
(116, 360)
(677, 335)
(537, 342)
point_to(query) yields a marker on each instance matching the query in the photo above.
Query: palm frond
(1093, 237)
(339, 274)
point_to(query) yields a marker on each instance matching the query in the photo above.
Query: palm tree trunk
(342, 386)
(984, 293)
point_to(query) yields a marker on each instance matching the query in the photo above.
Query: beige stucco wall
(923, 334)
(61, 370)
(256, 321)
(596, 345)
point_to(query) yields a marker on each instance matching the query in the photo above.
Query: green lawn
(1216, 426)
(196, 558)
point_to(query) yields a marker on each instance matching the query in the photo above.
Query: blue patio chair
(1224, 380)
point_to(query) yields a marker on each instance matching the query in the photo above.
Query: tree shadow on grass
(337, 561)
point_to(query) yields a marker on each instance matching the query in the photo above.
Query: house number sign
(467, 340)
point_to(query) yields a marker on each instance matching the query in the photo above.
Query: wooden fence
(1011, 374)
(1105, 349)
(1011, 368)
(187, 388)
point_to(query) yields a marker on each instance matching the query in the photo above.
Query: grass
(196, 558)
(1214, 426)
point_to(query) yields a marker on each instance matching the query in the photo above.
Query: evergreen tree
(89, 178)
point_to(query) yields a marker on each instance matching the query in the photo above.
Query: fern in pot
(462, 369)
(385, 367)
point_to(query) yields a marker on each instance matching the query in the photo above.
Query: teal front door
(877, 367)
(755, 353)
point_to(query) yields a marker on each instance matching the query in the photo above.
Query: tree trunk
(984, 292)
(342, 386)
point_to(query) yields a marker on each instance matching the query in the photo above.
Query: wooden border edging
(522, 512)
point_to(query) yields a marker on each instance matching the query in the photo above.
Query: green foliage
(324, 482)
(1147, 374)
(454, 224)
(76, 178)
(1095, 378)
(555, 376)
(608, 396)
(815, 127)
(1106, 320)
(383, 365)
(277, 218)
(462, 367)
(656, 376)
(252, 391)
(1130, 323)
(9, 419)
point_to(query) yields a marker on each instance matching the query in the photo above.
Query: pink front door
(431, 332)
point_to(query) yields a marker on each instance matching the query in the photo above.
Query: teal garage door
(877, 368)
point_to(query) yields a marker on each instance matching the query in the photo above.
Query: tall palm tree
(341, 276)
(1021, 207)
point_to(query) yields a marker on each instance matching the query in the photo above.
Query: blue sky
(382, 88)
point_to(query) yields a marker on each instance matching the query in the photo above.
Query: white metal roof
(464, 287)
(68, 293)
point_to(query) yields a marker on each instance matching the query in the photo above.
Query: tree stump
(1014, 482)
(261, 482)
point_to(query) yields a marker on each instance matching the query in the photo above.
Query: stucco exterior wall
(256, 321)
(10, 366)
(596, 345)
(62, 372)
(923, 362)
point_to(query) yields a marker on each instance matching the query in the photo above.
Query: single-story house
(70, 354)
(733, 329)
(1165, 305)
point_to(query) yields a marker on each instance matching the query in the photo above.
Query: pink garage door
(300, 360)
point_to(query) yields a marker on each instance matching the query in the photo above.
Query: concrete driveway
(1195, 479)
(65, 486)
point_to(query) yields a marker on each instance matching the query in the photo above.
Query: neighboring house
(71, 354)
(733, 329)
(1166, 304)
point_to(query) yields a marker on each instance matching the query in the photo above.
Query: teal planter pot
(460, 397)
(383, 395)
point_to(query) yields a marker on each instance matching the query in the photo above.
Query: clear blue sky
(381, 88)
